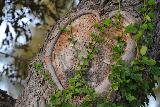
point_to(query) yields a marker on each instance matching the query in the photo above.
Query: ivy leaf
(107, 22)
(68, 96)
(63, 29)
(130, 97)
(72, 81)
(90, 56)
(77, 90)
(151, 2)
(55, 101)
(147, 17)
(115, 86)
(150, 26)
(147, 61)
(144, 26)
(86, 61)
(58, 94)
(38, 66)
(155, 71)
(102, 29)
(151, 14)
(137, 77)
(143, 50)
(78, 84)
(130, 29)
(88, 98)
(142, 9)
(139, 35)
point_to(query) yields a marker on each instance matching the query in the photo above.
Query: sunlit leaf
(143, 50)
(107, 22)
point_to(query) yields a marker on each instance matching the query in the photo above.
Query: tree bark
(38, 91)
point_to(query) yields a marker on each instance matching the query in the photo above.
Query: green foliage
(151, 2)
(131, 29)
(133, 81)
(118, 49)
(104, 24)
(63, 29)
(38, 66)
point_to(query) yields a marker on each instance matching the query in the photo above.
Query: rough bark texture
(37, 91)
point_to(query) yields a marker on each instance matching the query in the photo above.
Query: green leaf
(88, 98)
(148, 18)
(139, 35)
(102, 29)
(46, 75)
(63, 29)
(144, 26)
(68, 96)
(155, 70)
(130, 29)
(151, 2)
(58, 94)
(85, 61)
(90, 56)
(55, 100)
(143, 50)
(147, 61)
(150, 26)
(137, 77)
(142, 9)
(78, 84)
(107, 22)
(38, 66)
(77, 76)
(115, 86)
(77, 90)
(151, 14)
(130, 97)
(72, 81)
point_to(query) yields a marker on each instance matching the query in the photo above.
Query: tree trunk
(38, 90)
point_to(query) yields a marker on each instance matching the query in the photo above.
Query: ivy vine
(131, 82)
